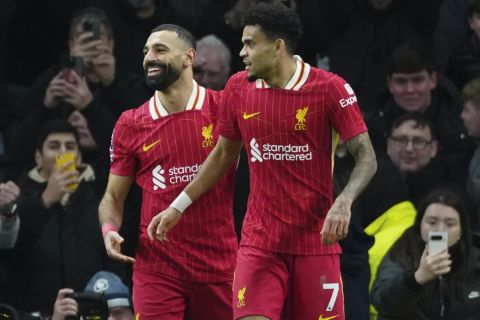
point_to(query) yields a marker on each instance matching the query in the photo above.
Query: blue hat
(112, 287)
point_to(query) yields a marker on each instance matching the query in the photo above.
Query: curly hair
(277, 21)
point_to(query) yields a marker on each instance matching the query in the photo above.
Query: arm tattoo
(365, 165)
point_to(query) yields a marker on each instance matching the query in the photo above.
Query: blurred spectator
(451, 32)
(59, 243)
(87, 82)
(414, 283)
(412, 146)
(109, 285)
(464, 63)
(414, 87)
(211, 68)
(471, 120)
(379, 217)
(9, 222)
(370, 32)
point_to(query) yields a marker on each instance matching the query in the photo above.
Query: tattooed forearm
(365, 165)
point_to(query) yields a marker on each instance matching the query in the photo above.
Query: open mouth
(153, 71)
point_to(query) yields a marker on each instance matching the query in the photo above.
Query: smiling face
(410, 147)
(258, 53)
(164, 57)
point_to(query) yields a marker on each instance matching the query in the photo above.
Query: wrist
(182, 202)
(107, 227)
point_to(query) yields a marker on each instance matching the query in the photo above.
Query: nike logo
(147, 147)
(328, 318)
(247, 116)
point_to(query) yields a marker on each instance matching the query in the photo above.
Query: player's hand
(335, 227)
(64, 306)
(113, 245)
(162, 223)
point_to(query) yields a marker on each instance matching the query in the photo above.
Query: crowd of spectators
(68, 69)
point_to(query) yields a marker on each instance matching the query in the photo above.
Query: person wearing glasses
(414, 86)
(413, 147)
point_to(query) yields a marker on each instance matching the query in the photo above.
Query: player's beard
(164, 79)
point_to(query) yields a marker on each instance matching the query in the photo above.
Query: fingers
(113, 243)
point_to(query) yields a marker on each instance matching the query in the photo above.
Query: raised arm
(110, 214)
(338, 217)
(213, 168)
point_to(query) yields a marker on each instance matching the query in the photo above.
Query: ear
(434, 149)
(433, 80)
(190, 55)
(389, 84)
(38, 158)
(280, 45)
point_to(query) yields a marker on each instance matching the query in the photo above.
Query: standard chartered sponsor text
(287, 152)
(183, 174)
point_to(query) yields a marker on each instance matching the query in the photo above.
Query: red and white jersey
(164, 152)
(290, 136)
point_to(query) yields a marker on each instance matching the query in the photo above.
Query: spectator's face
(165, 58)
(439, 217)
(121, 313)
(79, 122)
(208, 69)
(474, 23)
(258, 53)
(471, 119)
(411, 148)
(412, 91)
(55, 144)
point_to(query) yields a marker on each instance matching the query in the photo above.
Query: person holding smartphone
(417, 281)
(59, 242)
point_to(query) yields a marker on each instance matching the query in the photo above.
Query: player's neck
(175, 97)
(282, 73)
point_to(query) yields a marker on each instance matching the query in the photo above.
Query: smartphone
(63, 158)
(437, 241)
(70, 64)
(94, 26)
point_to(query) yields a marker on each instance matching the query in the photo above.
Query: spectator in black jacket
(88, 82)
(59, 242)
(414, 87)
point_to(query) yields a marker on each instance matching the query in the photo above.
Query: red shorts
(284, 286)
(157, 296)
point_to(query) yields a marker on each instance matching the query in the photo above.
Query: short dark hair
(473, 6)
(181, 32)
(277, 22)
(89, 14)
(419, 120)
(56, 125)
(407, 59)
(471, 92)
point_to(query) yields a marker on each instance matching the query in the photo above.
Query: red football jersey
(164, 152)
(290, 135)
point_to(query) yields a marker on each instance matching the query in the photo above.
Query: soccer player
(162, 145)
(289, 116)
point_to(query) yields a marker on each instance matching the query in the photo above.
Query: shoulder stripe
(153, 109)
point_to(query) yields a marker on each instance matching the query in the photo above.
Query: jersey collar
(300, 76)
(195, 102)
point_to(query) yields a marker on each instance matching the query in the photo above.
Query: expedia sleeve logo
(350, 100)
(279, 152)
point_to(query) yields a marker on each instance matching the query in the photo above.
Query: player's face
(471, 119)
(164, 55)
(412, 91)
(410, 147)
(258, 53)
(439, 217)
(55, 144)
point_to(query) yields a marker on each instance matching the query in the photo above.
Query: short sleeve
(122, 156)
(227, 124)
(344, 111)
